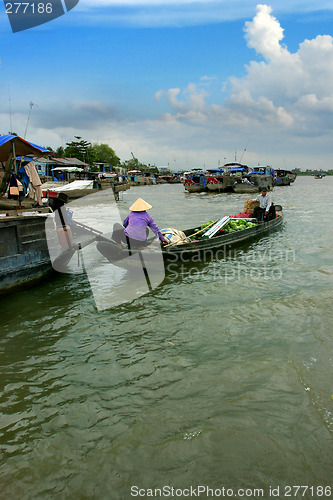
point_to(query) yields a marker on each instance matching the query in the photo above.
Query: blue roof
(22, 147)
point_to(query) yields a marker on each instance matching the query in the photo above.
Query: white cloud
(264, 33)
(283, 97)
(285, 91)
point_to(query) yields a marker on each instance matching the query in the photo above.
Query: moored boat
(24, 256)
(218, 180)
(261, 176)
(24, 250)
(78, 188)
(196, 182)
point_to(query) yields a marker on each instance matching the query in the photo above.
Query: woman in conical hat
(137, 223)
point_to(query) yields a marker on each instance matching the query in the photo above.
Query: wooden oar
(98, 234)
(91, 229)
(191, 235)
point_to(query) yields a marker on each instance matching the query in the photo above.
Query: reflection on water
(220, 376)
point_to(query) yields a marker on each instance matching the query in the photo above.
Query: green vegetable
(206, 224)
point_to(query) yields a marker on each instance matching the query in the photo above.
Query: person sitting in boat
(137, 225)
(266, 209)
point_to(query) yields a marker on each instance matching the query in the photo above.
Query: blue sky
(184, 83)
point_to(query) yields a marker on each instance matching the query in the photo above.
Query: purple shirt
(136, 224)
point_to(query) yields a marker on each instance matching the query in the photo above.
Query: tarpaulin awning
(22, 147)
(67, 169)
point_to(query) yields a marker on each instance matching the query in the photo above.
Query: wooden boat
(196, 182)
(138, 178)
(219, 181)
(233, 178)
(11, 204)
(283, 177)
(190, 251)
(78, 188)
(261, 176)
(244, 187)
(24, 255)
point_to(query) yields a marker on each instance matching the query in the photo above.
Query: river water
(219, 378)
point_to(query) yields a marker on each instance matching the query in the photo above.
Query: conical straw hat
(140, 205)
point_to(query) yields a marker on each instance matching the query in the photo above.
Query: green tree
(80, 149)
(135, 164)
(104, 154)
(60, 152)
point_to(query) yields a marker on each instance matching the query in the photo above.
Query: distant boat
(218, 180)
(283, 177)
(78, 188)
(262, 176)
(196, 182)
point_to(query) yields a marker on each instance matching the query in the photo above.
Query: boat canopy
(21, 147)
(238, 169)
(260, 169)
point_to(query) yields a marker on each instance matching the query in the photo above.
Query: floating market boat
(24, 256)
(219, 181)
(198, 248)
(24, 252)
(283, 177)
(245, 187)
(261, 176)
(196, 182)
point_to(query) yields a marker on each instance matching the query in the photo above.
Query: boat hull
(195, 188)
(262, 181)
(24, 251)
(245, 188)
(51, 189)
(207, 246)
(11, 204)
(24, 255)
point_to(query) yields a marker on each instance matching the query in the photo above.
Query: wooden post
(7, 175)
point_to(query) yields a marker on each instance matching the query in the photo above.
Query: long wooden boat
(195, 250)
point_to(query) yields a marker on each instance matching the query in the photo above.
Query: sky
(178, 83)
